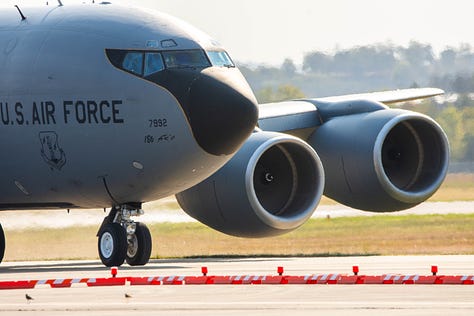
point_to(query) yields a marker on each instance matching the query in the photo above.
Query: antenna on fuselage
(23, 17)
(60, 3)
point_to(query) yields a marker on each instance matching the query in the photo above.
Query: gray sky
(268, 31)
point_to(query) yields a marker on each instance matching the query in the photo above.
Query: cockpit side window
(153, 63)
(133, 62)
(220, 59)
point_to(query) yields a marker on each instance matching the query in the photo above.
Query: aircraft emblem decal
(51, 152)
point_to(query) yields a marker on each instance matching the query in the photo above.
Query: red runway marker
(114, 271)
(204, 279)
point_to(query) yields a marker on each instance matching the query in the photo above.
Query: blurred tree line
(369, 68)
(383, 67)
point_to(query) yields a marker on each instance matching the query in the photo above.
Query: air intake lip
(303, 170)
(415, 168)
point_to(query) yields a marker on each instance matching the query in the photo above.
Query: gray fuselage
(78, 130)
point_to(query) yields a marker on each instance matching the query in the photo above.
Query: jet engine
(271, 186)
(386, 160)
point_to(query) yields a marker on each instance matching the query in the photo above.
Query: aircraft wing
(389, 97)
(301, 114)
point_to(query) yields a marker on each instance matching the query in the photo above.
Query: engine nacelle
(271, 186)
(382, 161)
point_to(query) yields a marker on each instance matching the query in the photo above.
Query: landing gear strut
(121, 238)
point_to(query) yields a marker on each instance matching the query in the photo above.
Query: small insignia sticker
(51, 152)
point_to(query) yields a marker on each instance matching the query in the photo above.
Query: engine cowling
(271, 186)
(381, 161)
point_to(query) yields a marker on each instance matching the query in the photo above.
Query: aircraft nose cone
(223, 110)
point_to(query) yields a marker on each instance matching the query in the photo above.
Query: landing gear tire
(139, 246)
(2, 243)
(112, 244)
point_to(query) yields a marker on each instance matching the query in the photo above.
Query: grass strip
(345, 236)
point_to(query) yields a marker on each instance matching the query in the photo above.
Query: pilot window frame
(147, 67)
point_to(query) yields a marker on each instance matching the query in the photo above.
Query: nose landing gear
(120, 238)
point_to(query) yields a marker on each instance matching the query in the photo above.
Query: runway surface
(239, 299)
(166, 210)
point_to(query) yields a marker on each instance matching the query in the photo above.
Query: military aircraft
(110, 106)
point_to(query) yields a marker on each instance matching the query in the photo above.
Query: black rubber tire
(117, 238)
(143, 252)
(2, 243)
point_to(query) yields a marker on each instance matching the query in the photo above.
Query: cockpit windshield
(220, 59)
(144, 63)
(185, 59)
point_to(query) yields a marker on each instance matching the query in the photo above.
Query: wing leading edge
(388, 97)
(302, 114)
